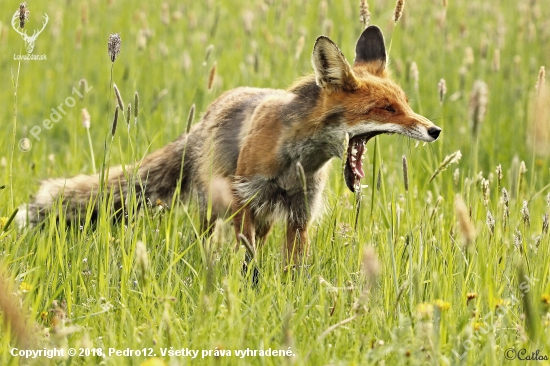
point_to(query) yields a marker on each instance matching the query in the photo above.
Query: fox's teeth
(354, 151)
(353, 159)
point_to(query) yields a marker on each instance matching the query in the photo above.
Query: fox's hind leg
(245, 230)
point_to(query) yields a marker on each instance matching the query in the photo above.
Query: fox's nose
(434, 132)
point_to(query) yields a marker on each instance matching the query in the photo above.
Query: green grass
(85, 287)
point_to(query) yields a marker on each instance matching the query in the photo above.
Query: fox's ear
(332, 70)
(371, 50)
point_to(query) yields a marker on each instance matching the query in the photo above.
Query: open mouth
(353, 172)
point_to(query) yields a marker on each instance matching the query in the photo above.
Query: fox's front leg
(245, 232)
(244, 227)
(296, 243)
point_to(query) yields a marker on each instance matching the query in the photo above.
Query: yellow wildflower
(25, 287)
(3, 221)
(424, 311)
(477, 325)
(155, 361)
(470, 296)
(501, 303)
(442, 305)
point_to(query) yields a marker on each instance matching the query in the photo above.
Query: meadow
(442, 263)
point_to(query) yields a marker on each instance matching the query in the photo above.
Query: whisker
(435, 119)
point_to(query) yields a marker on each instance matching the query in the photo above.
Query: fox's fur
(244, 153)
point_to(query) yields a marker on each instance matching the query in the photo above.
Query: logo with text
(18, 23)
(523, 355)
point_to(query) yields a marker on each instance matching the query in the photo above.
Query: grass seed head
(371, 265)
(398, 11)
(496, 60)
(468, 57)
(136, 104)
(541, 81)
(23, 14)
(486, 190)
(248, 21)
(525, 214)
(521, 173)
(538, 138)
(209, 50)
(405, 173)
(165, 14)
(449, 159)
(505, 197)
(462, 71)
(142, 259)
(323, 6)
(128, 115)
(371, 268)
(84, 13)
(478, 105)
(466, 227)
(522, 168)
(518, 240)
(327, 26)
(414, 74)
(499, 173)
(364, 13)
(141, 39)
(115, 122)
(545, 223)
(506, 211)
(86, 119)
(442, 88)
(212, 76)
(456, 176)
(517, 65)
(299, 47)
(118, 98)
(114, 46)
(491, 222)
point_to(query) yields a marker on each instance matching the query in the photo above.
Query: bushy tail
(155, 178)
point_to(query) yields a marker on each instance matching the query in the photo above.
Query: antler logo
(29, 40)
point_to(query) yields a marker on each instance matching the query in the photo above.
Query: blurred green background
(168, 52)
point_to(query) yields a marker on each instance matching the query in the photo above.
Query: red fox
(244, 153)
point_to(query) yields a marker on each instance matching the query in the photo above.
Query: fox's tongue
(353, 171)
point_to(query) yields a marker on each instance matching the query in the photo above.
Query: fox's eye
(389, 108)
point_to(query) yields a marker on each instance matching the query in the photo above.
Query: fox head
(371, 102)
